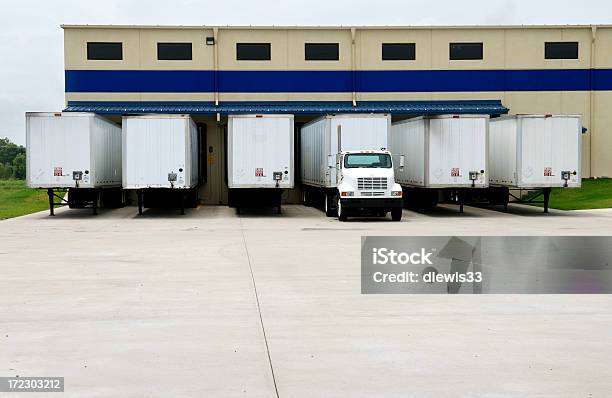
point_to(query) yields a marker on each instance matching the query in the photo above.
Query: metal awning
(491, 107)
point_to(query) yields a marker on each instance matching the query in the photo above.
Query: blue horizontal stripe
(131, 81)
(602, 79)
(474, 80)
(285, 81)
(139, 81)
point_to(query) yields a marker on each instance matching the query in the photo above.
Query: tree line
(12, 160)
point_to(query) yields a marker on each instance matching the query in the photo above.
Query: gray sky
(31, 44)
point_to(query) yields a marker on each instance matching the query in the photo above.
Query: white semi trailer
(260, 159)
(446, 156)
(346, 167)
(534, 152)
(160, 158)
(80, 152)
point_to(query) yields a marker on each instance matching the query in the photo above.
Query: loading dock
(213, 159)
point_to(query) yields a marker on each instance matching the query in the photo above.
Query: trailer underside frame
(506, 195)
(244, 198)
(423, 198)
(187, 197)
(544, 193)
(73, 202)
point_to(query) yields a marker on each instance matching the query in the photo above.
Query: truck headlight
(347, 193)
(396, 193)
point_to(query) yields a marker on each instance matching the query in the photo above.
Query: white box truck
(445, 154)
(534, 152)
(80, 152)
(160, 154)
(347, 168)
(260, 159)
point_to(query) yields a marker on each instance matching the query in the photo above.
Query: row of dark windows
(312, 51)
(321, 51)
(183, 51)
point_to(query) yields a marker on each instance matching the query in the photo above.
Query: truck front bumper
(372, 203)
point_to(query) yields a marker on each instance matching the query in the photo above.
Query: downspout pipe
(216, 68)
(592, 98)
(353, 65)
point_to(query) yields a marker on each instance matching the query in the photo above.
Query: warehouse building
(211, 72)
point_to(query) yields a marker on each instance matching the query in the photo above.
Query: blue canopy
(490, 107)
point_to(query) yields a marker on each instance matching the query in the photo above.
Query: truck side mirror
(401, 165)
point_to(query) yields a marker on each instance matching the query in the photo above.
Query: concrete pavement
(215, 304)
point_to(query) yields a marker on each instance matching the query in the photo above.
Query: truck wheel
(396, 214)
(341, 213)
(329, 211)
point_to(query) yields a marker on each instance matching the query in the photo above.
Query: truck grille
(368, 193)
(371, 183)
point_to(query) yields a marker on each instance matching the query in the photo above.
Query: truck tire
(341, 213)
(396, 214)
(327, 203)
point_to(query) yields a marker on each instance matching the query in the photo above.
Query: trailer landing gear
(502, 196)
(518, 198)
(78, 198)
(139, 194)
(52, 201)
(546, 194)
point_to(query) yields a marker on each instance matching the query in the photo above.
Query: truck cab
(366, 184)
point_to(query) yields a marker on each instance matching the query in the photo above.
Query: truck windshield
(367, 160)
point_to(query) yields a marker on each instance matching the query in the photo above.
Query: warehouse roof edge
(324, 27)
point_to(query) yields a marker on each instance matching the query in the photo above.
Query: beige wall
(75, 48)
(504, 48)
(601, 134)
(227, 49)
(202, 54)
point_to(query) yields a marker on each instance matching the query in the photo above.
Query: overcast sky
(31, 43)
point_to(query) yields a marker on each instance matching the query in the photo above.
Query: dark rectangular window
(321, 52)
(561, 50)
(253, 51)
(174, 51)
(465, 51)
(398, 52)
(104, 51)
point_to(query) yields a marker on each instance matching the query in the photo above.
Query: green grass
(16, 199)
(594, 194)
